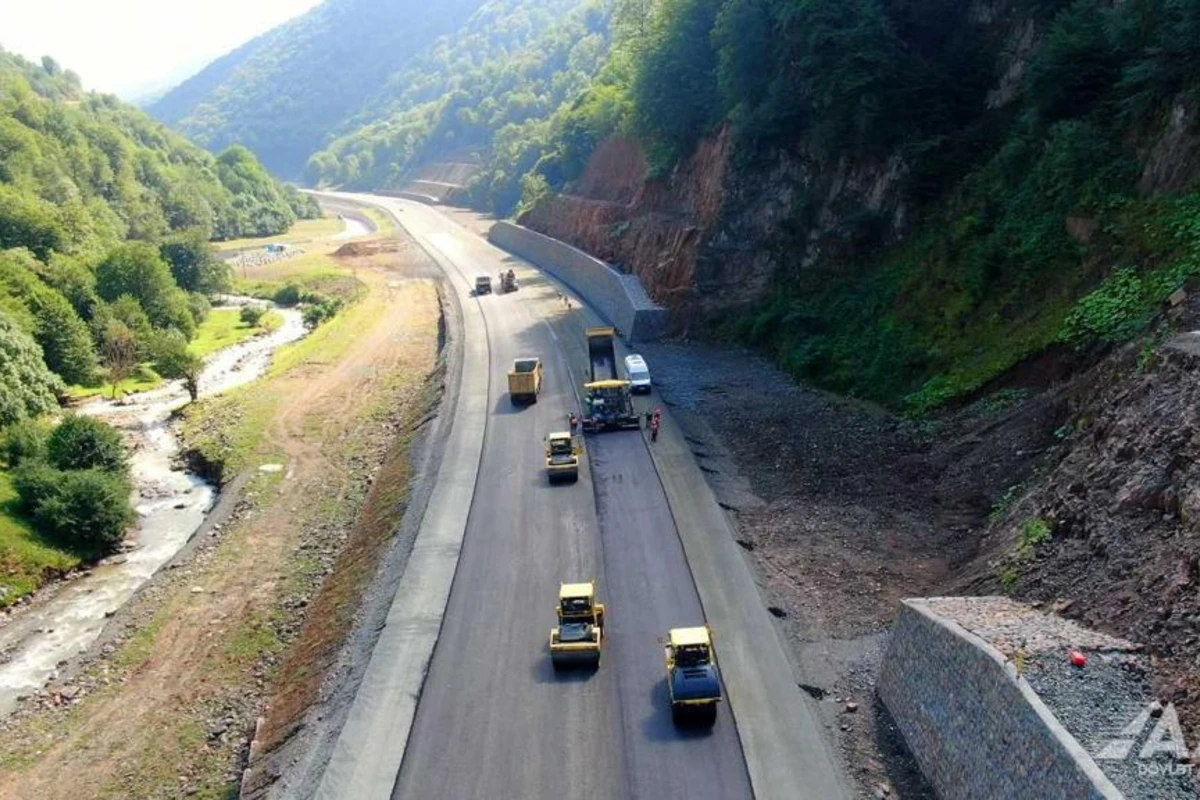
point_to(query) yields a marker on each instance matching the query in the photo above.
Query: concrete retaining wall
(403, 195)
(619, 298)
(976, 728)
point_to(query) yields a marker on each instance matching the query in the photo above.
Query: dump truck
(562, 457)
(483, 284)
(693, 681)
(525, 380)
(601, 354)
(577, 638)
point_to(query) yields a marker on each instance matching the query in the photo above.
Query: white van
(637, 373)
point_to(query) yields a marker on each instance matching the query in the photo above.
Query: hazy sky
(131, 47)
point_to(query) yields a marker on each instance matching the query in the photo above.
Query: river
(352, 229)
(171, 505)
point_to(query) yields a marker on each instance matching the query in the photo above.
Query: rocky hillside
(900, 202)
(1106, 529)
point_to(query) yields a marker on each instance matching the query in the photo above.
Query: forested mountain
(901, 199)
(105, 218)
(284, 93)
(488, 90)
(357, 93)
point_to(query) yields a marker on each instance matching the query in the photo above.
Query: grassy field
(224, 328)
(230, 430)
(143, 380)
(304, 232)
(25, 558)
(317, 272)
(387, 225)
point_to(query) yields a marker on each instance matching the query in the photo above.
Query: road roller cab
(562, 457)
(577, 638)
(693, 681)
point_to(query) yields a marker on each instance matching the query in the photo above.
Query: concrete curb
(1075, 772)
(386, 703)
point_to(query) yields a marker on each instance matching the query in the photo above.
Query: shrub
(88, 511)
(287, 295)
(200, 307)
(1033, 533)
(252, 315)
(24, 442)
(86, 443)
(1114, 312)
(321, 311)
(35, 483)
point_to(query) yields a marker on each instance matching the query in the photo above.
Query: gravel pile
(1097, 703)
(1005, 624)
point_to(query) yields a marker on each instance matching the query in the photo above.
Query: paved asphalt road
(493, 720)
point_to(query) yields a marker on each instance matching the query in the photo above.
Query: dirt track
(168, 712)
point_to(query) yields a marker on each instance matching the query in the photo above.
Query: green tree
(195, 264)
(172, 360)
(137, 270)
(27, 388)
(266, 209)
(675, 81)
(120, 348)
(28, 221)
(744, 41)
(64, 338)
(87, 510)
(81, 442)
(75, 281)
(128, 311)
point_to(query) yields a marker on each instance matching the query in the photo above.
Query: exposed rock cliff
(729, 223)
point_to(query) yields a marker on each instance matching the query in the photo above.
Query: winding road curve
(493, 720)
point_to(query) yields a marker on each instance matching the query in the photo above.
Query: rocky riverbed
(171, 504)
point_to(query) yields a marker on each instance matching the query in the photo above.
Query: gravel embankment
(1095, 702)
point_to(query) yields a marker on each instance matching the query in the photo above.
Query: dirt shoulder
(167, 705)
(844, 510)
